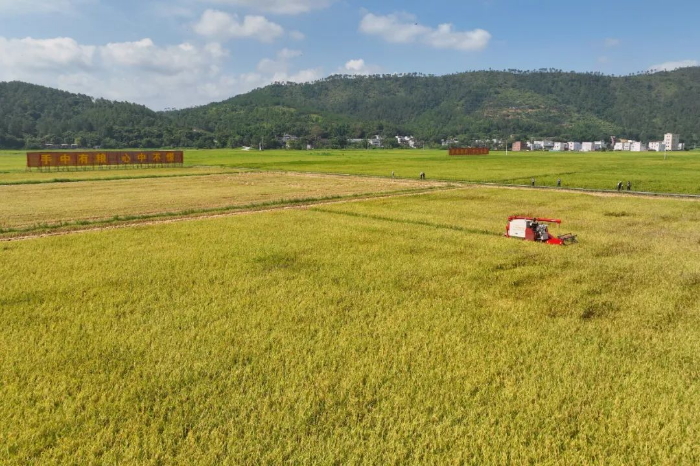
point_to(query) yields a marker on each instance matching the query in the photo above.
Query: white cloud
(611, 42)
(279, 68)
(403, 28)
(282, 7)
(359, 67)
(145, 55)
(674, 65)
(47, 54)
(141, 71)
(222, 25)
(296, 35)
(27, 7)
(289, 54)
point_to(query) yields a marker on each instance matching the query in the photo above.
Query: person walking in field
(629, 186)
(392, 175)
(532, 182)
(619, 186)
(422, 175)
(559, 183)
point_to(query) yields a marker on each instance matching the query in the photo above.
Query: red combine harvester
(535, 229)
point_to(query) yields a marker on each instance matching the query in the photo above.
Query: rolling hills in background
(473, 105)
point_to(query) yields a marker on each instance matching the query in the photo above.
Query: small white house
(637, 146)
(587, 147)
(560, 146)
(409, 141)
(657, 146)
(599, 145)
(618, 146)
(376, 141)
(574, 146)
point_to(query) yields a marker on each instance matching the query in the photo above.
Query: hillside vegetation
(482, 104)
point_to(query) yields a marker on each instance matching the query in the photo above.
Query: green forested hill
(473, 105)
(31, 115)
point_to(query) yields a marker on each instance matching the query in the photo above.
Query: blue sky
(181, 53)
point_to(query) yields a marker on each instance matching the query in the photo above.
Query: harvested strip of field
(16, 177)
(36, 206)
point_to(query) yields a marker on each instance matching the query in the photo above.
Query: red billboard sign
(58, 160)
(469, 151)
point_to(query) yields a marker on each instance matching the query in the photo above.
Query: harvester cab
(536, 229)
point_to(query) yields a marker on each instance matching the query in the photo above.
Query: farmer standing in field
(619, 186)
(559, 183)
(532, 182)
(629, 186)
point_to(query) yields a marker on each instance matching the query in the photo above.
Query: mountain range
(473, 105)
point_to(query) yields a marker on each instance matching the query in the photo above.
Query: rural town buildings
(449, 142)
(560, 146)
(657, 146)
(587, 147)
(637, 146)
(574, 146)
(672, 141)
(518, 146)
(375, 141)
(409, 141)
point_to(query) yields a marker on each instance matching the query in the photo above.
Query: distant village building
(543, 145)
(637, 146)
(409, 141)
(657, 146)
(574, 146)
(449, 142)
(375, 141)
(560, 146)
(672, 141)
(592, 146)
(288, 139)
(518, 146)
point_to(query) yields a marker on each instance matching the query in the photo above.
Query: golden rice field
(388, 331)
(29, 207)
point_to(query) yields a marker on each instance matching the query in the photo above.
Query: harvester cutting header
(536, 229)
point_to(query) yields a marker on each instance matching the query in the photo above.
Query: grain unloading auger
(536, 229)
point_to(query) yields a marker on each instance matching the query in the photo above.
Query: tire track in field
(151, 222)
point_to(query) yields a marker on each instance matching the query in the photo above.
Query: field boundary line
(244, 211)
(494, 184)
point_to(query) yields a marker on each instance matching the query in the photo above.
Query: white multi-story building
(657, 146)
(574, 146)
(671, 141)
(638, 147)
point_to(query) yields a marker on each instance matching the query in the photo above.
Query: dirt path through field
(129, 224)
